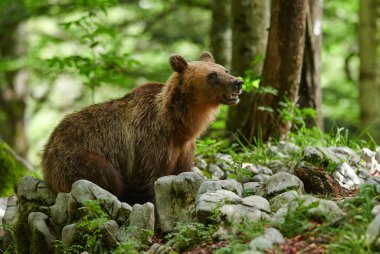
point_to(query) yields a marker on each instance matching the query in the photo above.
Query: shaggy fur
(124, 145)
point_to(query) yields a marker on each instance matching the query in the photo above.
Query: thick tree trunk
(310, 92)
(369, 87)
(250, 21)
(220, 33)
(282, 70)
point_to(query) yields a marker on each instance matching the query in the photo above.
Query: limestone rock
(250, 188)
(208, 203)
(213, 185)
(278, 183)
(373, 232)
(35, 190)
(216, 172)
(142, 220)
(59, 211)
(235, 213)
(173, 193)
(346, 177)
(42, 236)
(257, 202)
(282, 199)
(326, 210)
(11, 212)
(68, 233)
(142, 216)
(266, 241)
(83, 190)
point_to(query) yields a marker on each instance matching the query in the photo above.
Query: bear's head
(210, 81)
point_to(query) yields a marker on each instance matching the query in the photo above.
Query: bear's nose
(238, 83)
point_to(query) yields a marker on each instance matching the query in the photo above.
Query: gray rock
(173, 193)
(68, 233)
(373, 232)
(250, 188)
(282, 199)
(35, 190)
(377, 155)
(260, 178)
(3, 206)
(83, 190)
(279, 216)
(278, 183)
(337, 155)
(346, 154)
(142, 216)
(123, 213)
(371, 163)
(197, 170)
(375, 210)
(41, 235)
(141, 221)
(236, 213)
(213, 185)
(208, 203)
(201, 164)
(257, 202)
(224, 161)
(257, 169)
(279, 166)
(11, 213)
(374, 180)
(59, 211)
(288, 148)
(216, 172)
(346, 176)
(266, 241)
(326, 210)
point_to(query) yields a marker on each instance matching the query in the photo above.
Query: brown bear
(124, 145)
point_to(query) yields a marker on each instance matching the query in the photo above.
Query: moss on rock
(10, 170)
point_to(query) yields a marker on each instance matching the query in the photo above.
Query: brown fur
(124, 145)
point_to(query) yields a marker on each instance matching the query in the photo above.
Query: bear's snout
(238, 84)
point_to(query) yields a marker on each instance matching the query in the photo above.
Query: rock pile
(267, 192)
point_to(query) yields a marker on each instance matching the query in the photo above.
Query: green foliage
(11, 170)
(11, 247)
(100, 60)
(350, 235)
(297, 220)
(244, 233)
(187, 235)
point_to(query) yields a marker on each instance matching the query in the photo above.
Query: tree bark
(369, 87)
(281, 71)
(13, 90)
(250, 21)
(220, 33)
(310, 92)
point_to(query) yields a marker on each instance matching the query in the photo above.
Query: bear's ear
(207, 57)
(178, 63)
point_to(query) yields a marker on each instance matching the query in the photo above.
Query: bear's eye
(212, 77)
(226, 71)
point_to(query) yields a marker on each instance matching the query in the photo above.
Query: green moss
(10, 170)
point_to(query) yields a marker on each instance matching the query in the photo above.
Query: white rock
(347, 177)
(257, 202)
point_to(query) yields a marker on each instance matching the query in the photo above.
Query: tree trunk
(220, 33)
(13, 89)
(250, 21)
(310, 92)
(369, 87)
(282, 70)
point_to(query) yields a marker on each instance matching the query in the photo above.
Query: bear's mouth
(231, 99)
